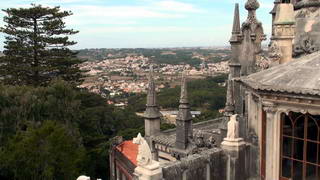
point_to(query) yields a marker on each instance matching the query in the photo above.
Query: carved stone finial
(252, 5)
(144, 157)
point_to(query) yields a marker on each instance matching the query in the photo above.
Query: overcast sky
(148, 23)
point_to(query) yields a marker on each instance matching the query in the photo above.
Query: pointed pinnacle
(151, 96)
(236, 20)
(184, 92)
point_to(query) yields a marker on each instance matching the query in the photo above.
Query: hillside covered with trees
(206, 95)
(190, 56)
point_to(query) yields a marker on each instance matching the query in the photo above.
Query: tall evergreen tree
(36, 47)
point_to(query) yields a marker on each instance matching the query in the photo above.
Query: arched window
(300, 146)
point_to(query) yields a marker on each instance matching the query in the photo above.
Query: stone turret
(283, 32)
(184, 132)
(152, 114)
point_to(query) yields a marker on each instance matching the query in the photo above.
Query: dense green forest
(58, 132)
(159, 56)
(205, 95)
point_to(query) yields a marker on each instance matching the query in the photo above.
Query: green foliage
(166, 126)
(205, 95)
(81, 119)
(36, 47)
(47, 152)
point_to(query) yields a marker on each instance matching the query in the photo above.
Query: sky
(148, 23)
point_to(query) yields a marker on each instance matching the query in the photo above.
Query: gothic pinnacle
(184, 92)
(236, 25)
(236, 20)
(151, 97)
(152, 110)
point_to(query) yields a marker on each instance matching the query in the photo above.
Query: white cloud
(122, 12)
(170, 5)
(137, 29)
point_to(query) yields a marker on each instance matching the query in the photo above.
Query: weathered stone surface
(300, 76)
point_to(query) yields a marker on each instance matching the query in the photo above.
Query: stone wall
(207, 165)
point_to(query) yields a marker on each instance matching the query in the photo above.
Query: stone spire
(151, 97)
(152, 114)
(152, 110)
(184, 119)
(236, 24)
(184, 92)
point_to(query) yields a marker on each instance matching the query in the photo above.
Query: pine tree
(36, 47)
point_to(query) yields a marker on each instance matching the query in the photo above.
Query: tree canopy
(36, 47)
(41, 126)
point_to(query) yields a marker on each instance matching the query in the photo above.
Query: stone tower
(152, 114)
(184, 132)
(283, 25)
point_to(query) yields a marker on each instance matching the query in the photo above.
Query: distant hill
(192, 56)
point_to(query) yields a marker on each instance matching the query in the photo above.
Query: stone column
(235, 164)
(271, 139)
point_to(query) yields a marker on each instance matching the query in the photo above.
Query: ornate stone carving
(274, 51)
(305, 45)
(269, 107)
(144, 157)
(252, 5)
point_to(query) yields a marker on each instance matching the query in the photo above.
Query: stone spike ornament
(152, 110)
(236, 20)
(151, 97)
(236, 31)
(184, 92)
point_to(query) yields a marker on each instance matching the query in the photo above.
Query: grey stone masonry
(152, 114)
(184, 131)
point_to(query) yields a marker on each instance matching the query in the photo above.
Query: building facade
(271, 127)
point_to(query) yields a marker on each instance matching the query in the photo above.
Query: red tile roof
(130, 150)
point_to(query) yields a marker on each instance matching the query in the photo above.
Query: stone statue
(144, 157)
(83, 178)
(233, 140)
(233, 128)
